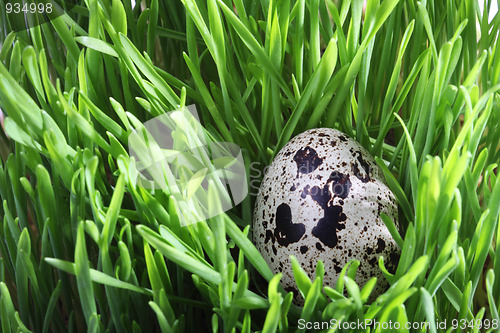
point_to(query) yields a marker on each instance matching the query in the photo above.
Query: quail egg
(321, 199)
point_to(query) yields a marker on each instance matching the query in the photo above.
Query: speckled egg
(321, 199)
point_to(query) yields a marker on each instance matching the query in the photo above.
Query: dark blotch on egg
(307, 160)
(286, 231)
(327, 227)
(341, 185)
(269, 236)
(364, 175)
(380, 245)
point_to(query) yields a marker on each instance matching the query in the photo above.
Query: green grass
(85, 248)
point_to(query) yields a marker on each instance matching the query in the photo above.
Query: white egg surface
(321, 199)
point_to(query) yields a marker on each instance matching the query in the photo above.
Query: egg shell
(321, 199)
